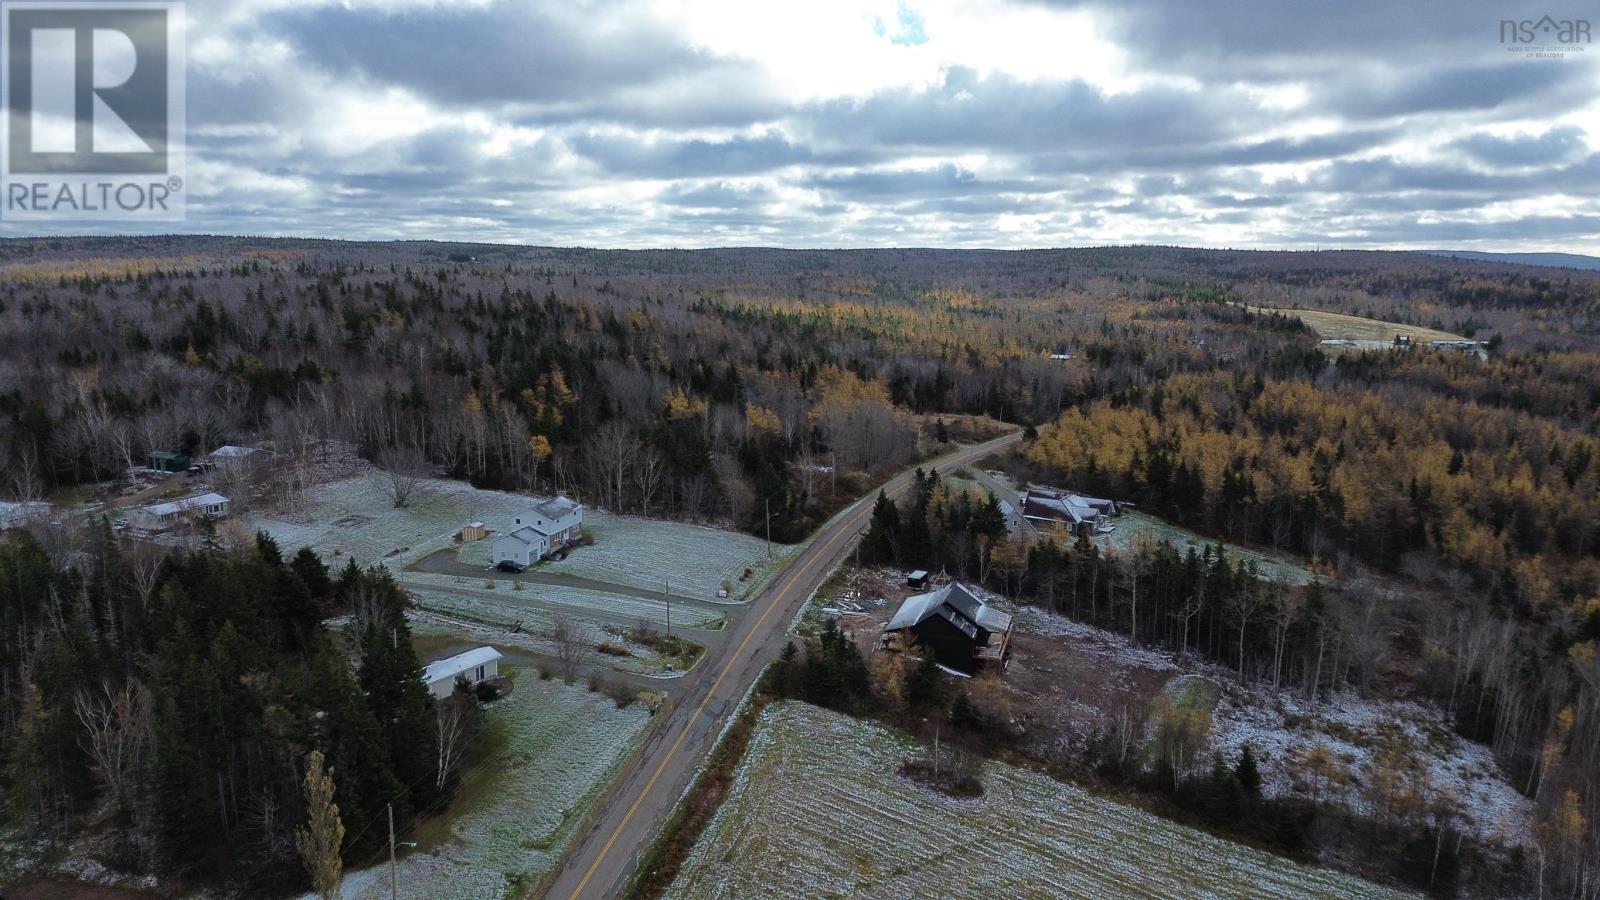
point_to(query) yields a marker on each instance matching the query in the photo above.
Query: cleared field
(1338, 326)
(535, 603)
(817, 810)
(353, 518)
(1132, 527)
(552, 749)
(646, 552)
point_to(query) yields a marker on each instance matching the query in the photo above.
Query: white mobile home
(163, 516)
(477, 666)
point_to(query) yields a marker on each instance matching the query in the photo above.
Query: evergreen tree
(1247, 774)
(925, 687)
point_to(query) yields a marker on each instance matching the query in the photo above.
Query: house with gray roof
(957, 625)
(1048, 508)
(544, 529)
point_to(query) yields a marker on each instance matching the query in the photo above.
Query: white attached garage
(523, 547)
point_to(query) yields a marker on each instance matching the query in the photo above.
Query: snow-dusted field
(1132, 527)
(537, 602)
(517, 812)
(1279, 727)
(645, 553)
(817, 810)
(354, 518)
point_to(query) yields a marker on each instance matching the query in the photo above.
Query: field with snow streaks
(817, 810)
(553, 749)
(1131, 527)
(355, 518)
(645, 553)
(504, 605)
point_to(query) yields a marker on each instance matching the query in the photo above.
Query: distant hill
(1561, 260)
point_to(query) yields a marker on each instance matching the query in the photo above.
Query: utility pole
(669, 607)
(394, 873)
(769, 526)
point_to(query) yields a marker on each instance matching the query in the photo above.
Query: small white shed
(524, 547)
(477, 666)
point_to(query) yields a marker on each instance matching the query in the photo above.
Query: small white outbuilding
(476, 665)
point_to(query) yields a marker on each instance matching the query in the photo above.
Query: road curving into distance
(643, 794)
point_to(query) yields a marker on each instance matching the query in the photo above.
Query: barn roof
(461, 662)
(955, 603)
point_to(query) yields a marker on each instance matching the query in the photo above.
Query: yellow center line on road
(786, 584)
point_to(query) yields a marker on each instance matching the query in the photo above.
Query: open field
(1337, 326)
(552, 748)
(353, 518)
(646, 552)
(816, 809)
(1133, 527)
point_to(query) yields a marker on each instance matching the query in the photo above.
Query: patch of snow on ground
(1279, 727)
(1089, 639)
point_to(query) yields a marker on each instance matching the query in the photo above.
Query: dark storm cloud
(1554, 146)
(683, 158)
(502, 52)
(720, 195)
(969, 112)
(1452, 88)
(948, 180)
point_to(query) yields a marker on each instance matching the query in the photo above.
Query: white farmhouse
(477, 666)
(546, 528)
(163, 516)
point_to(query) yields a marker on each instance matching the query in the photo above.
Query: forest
(748, 386)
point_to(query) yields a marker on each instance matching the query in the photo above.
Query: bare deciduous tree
(116, 724)
(571, 649)
(453, 717)
(403, 471)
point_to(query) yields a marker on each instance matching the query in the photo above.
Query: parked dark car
(506, 565)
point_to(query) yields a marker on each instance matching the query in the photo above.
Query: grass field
(551, 749)
(354, 519)
(1337, 326)
(817, 810)
(1133, 527)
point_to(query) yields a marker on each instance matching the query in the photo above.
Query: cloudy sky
(1254, 123)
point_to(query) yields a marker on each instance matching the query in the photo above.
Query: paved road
(600, 861)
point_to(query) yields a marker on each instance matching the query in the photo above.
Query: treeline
(170, 702)
(635, 380)
(1487, 503)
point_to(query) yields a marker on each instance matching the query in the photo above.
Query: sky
(985, 123)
